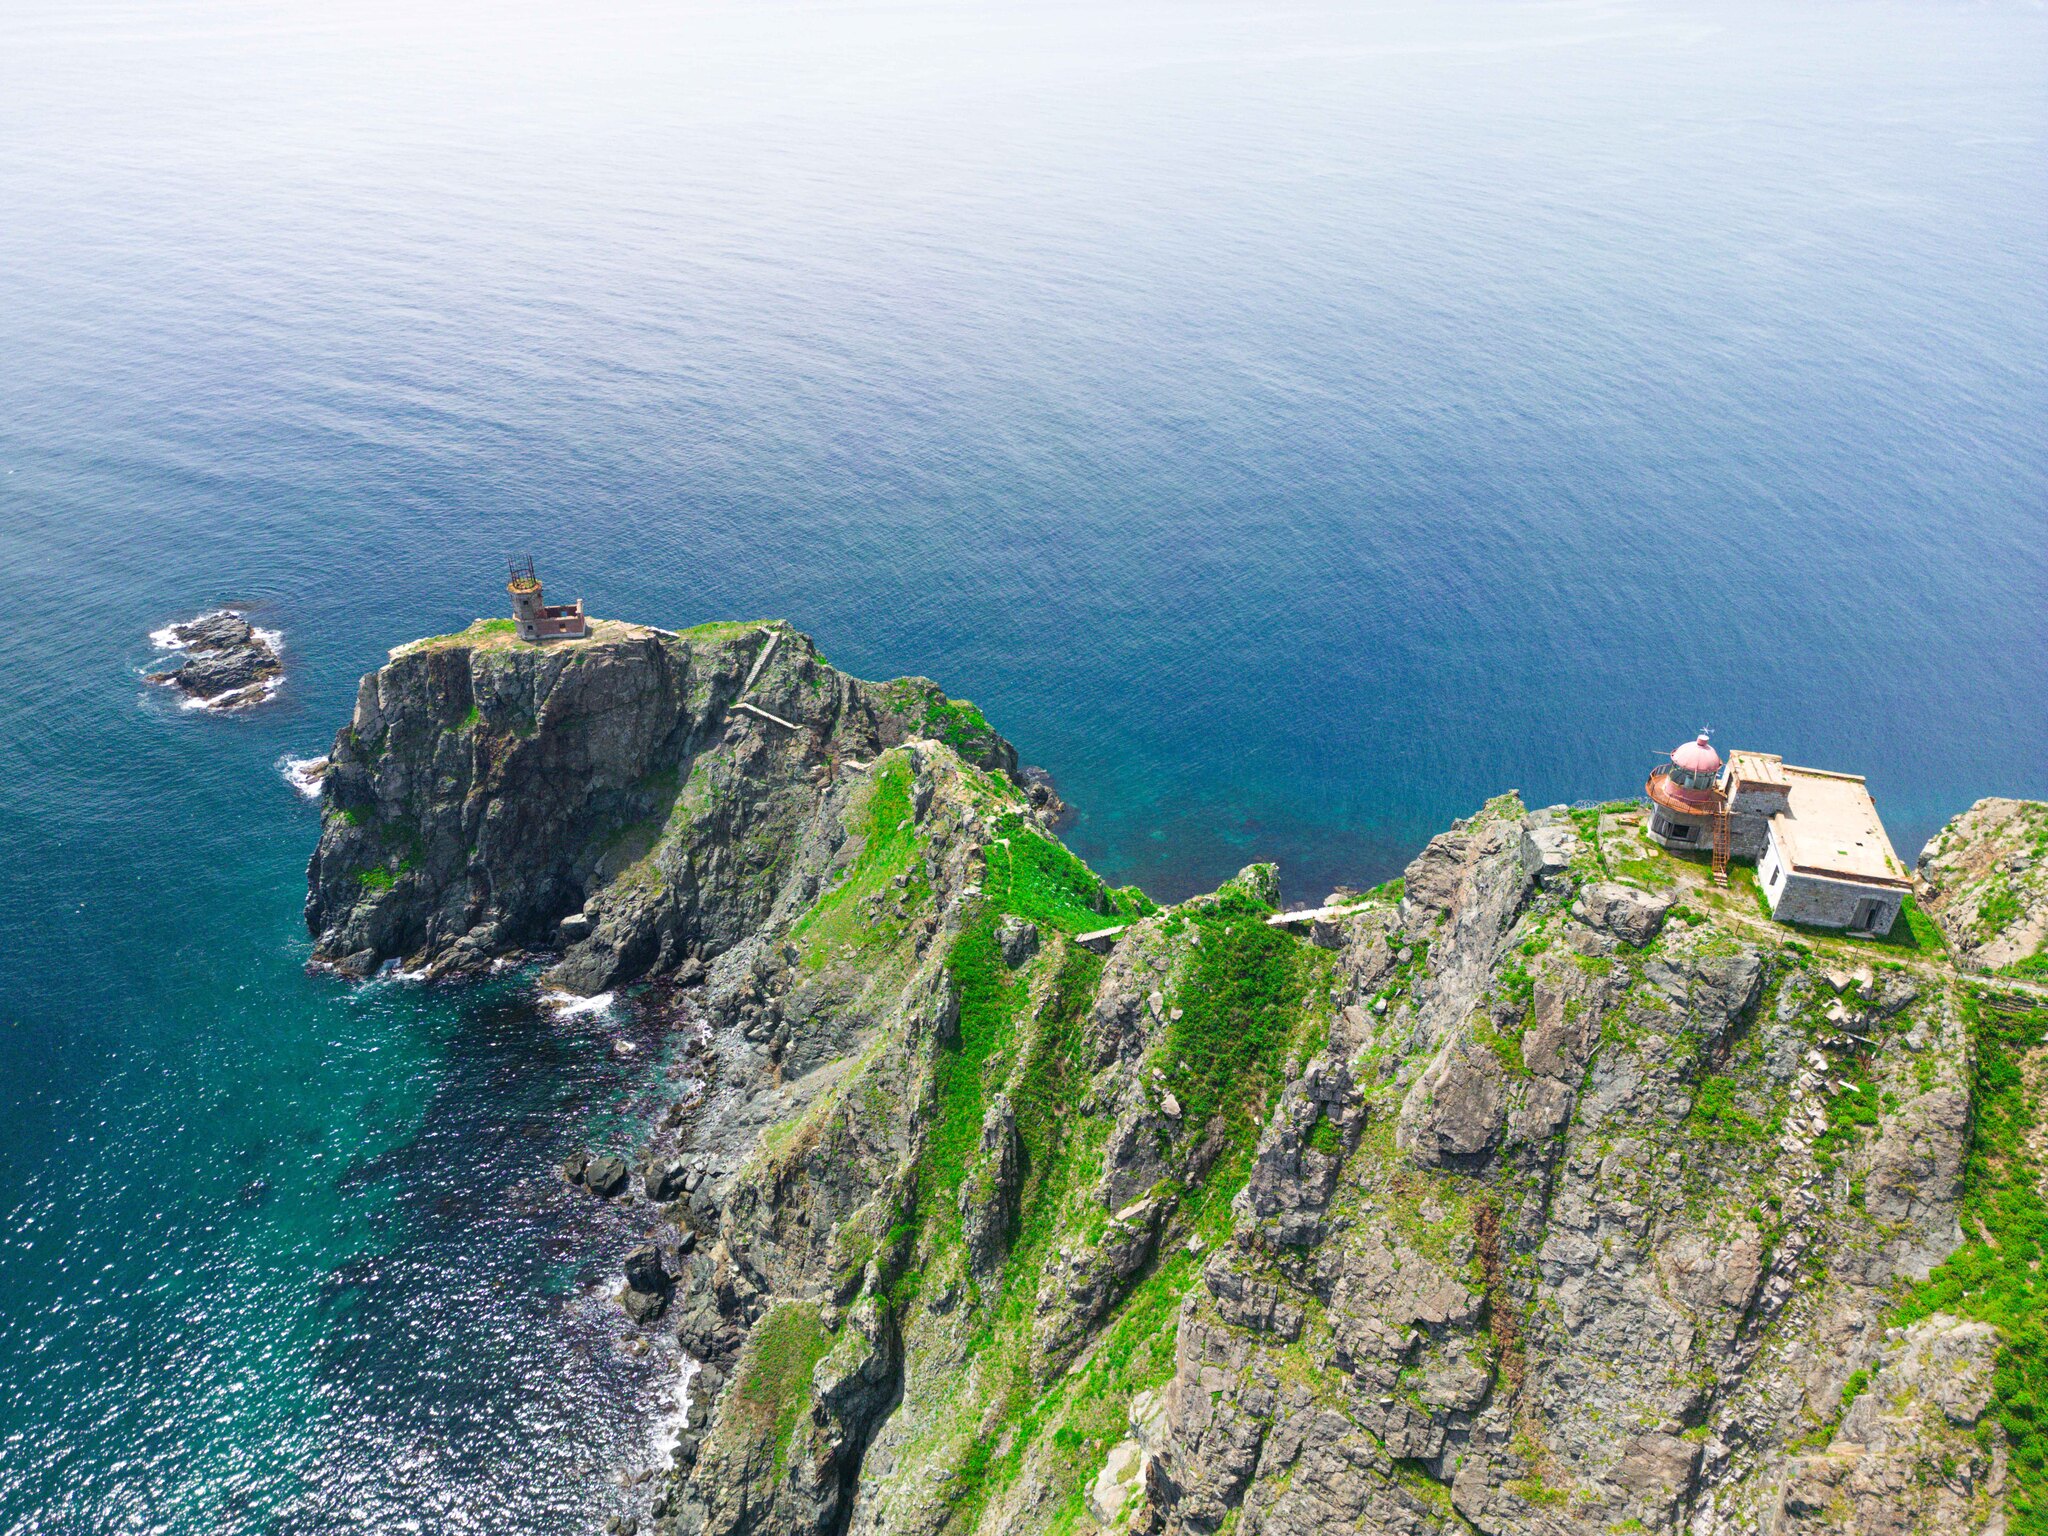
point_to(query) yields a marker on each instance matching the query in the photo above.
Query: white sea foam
(305, 774)
(166, 639)
(568, 1005)
(240, 698)
(667, 1429)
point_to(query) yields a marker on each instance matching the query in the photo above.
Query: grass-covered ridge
(1238, 989)
(888, 870)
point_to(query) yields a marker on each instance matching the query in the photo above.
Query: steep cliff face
(1547, 1190)
(631, 797)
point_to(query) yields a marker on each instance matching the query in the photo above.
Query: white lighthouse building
(1821, 852)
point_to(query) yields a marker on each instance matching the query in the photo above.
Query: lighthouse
(1685, 795)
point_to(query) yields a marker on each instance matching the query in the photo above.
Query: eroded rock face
(1984, 879)
(1504, 1204)
(1928, 1388)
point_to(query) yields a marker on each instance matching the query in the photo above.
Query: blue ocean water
(1292, 424)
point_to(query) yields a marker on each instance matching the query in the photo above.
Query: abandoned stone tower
(535, 620)
(1821, 852)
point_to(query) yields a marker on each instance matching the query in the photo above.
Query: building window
(1679, 834)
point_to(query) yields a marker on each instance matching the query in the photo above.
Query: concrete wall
(1797, 898)
(1748, 834)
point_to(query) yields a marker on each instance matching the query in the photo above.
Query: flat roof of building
(1756, 767)
(1832, 830)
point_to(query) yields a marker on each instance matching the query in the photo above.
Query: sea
(1292, 422)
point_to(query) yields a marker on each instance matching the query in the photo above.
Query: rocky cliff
(1984, 879)
(635, 797)
(1548, 1189)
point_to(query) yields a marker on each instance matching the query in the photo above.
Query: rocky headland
(1548, 1189)
(227, 663)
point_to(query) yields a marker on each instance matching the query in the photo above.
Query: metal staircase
(1723, 838)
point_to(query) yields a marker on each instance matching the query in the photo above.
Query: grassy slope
(1242, 1009)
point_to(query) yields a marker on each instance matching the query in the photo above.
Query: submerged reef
(1547, 1189)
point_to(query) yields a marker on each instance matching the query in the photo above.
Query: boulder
(1017, 939)
(1547, 848)
(1622, 912)
(664, 1181)
(643, 1307)
(644, 1271)
(605, 1176)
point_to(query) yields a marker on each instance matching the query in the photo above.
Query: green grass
(1324, 1138)
(469, 720)
(1849, 1115)
(773, 1374)
(889, 848)
(1715, 1116)
(1237, 1001)
(2033, 968)
(1996, 1275)
(1998, 910)
(956, 722)
(1920, 931)
(493, 633)
(378, 879)
(1913, 932)
(959, 725)
(1021, 1031)
(723, 629)
(1035, 878)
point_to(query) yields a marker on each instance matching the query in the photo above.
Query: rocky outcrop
(1544, 1192)
(608, 796)
(227, 663)
(1984, 879)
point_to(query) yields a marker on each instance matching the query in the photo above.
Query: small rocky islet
(227, 663)
(1548, 1189)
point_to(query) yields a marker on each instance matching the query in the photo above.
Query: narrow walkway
(1310, 915)
(774, 639)
(755, 709)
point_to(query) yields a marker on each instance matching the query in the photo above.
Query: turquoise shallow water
(1291, 424)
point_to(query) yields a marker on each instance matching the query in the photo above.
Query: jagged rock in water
(1503, 1205)
(605, 1176)
(227, 662)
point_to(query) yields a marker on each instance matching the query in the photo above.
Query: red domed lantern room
(1685, 796)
